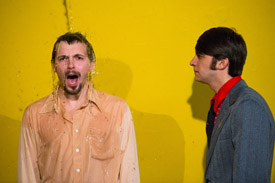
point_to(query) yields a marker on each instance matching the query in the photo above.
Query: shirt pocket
(103, 138)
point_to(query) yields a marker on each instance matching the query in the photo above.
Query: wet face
(72, 66)
(202, 68)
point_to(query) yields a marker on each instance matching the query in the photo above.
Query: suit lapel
(222, 117)
(221, 120)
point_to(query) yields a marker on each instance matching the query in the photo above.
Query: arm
(129, 170)
(27, 171)
(253, 140)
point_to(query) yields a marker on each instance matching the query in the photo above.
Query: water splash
(69, 15)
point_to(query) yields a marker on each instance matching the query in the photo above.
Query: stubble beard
(73, 90)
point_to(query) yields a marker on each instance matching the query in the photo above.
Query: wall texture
(143, 50)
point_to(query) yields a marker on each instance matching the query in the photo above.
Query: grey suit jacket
(242, 142)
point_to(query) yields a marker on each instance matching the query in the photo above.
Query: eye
(63, 58)
(79, 58)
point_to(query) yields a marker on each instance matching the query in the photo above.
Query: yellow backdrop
(143, 50)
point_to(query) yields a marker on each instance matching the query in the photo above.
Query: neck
(73, 102)
(218, 83)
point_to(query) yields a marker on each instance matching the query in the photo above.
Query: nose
(194, 61)
(70, 63)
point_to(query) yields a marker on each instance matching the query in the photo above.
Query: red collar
(224, 90)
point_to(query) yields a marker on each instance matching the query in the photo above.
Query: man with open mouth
(77, 134)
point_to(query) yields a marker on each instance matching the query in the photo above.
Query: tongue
(72, 81)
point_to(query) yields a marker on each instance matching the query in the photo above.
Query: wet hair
(71, 38)
(221, 43)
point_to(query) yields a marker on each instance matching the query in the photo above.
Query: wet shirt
(97, 144)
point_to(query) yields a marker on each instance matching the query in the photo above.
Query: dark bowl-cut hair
(70, 38)
(221, 43)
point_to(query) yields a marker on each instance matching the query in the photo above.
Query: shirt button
(76, 130)
(78, 170)
(77, 150)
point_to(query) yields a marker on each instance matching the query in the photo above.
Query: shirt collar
(53, 101)
(94, 98)
(223, 91)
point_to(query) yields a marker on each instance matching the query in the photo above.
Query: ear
(222, 64)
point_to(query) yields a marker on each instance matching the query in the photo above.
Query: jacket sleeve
(253, 142)
(129, 170)
(27, 170)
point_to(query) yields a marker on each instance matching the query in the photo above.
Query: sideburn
(213, 64)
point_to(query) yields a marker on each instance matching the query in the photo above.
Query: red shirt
(222, 93)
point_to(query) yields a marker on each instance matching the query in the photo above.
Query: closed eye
(62, 58)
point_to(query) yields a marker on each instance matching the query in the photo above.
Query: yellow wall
(143, 50)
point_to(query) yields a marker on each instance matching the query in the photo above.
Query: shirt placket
(77, 151)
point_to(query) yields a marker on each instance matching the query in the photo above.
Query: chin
(73, 90)
(197, 79)
(201, 81)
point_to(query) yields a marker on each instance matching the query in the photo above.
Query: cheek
(85, 70)
(198, 66)
(203, 65)
(60, 72)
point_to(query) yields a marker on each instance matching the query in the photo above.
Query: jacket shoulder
(250, 94)
(244, 94)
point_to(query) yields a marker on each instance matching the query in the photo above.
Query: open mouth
(72, 78)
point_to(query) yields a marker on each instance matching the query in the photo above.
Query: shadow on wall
(200, 100)
(9, 131)
(200, 103)
(159, 138)
(113, 77)
(161, 148)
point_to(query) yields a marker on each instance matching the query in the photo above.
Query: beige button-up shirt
(97, 144)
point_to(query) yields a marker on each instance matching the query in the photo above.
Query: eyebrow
(200, 55)
(61, 56)
(77, 55)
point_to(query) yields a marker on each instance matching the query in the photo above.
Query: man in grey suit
(240, 126)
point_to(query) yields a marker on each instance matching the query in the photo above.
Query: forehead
(63, 48)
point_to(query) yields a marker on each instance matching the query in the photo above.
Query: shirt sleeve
(27, 170)
(253, 140)
(129, 170)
